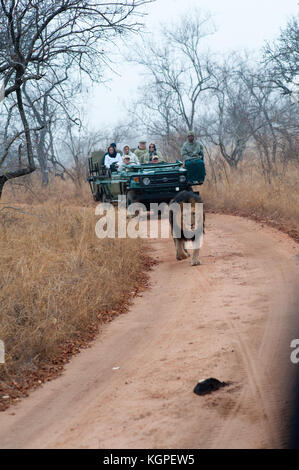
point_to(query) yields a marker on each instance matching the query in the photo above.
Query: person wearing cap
(132, 157)
(127, 160)
(155, 159)
(192, 148)
(141, 152)
(152, 151)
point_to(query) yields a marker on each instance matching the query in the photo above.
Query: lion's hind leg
(180, 250)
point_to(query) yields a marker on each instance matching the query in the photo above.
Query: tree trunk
(13, 174)
(31, 165)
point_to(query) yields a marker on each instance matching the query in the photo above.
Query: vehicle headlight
(182, 179)
(146, 181)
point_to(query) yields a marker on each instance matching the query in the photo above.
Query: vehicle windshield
(135, 168)
(159, 164)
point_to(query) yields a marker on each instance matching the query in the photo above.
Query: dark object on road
(207, 386)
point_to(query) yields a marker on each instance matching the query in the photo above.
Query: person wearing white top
(131, 155)
(113, 157)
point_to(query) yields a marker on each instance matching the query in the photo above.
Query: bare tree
(282, 59)
(177, 74)
(49, 99)
(227, 123)
(272, 118)
(40, 35)
(77, 146)
(121, 133)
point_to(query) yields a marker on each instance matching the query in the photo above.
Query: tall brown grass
(28, 190)
(56, 276)
(246, 192)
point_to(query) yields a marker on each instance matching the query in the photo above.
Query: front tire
(130, 198)
(98, 196)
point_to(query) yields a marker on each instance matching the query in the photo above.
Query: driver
(113, 158)
(192, 148)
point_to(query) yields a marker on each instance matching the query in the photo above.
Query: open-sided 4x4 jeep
(144, 183)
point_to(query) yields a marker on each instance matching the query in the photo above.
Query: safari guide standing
(192, 148)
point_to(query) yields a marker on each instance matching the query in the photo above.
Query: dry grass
(245, 192)
(28, 190)
(56, 277)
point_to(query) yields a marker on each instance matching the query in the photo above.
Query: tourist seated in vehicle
(141, 152)
(127, 162)
(127, 153)
(155, 159)
(113, 160)
(153, 152)
(111, 145)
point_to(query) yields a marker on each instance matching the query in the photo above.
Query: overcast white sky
(240, 24)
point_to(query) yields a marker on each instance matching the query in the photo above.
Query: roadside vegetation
(245, 192)
(58, 281)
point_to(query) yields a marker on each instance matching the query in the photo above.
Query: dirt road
(232, 318)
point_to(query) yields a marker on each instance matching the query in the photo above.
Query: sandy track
(232, 318)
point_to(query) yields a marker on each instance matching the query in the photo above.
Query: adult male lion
(186, 203)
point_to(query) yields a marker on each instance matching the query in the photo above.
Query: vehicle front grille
(166, 179)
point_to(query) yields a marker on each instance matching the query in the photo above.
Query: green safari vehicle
(146, 183)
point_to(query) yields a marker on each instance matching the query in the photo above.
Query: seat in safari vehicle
(196, 170)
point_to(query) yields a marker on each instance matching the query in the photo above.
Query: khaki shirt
(191, 150)
(142, 155)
